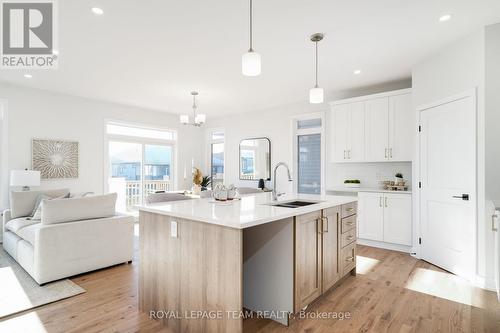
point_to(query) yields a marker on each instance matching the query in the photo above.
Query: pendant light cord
(251, 26)
(316, 86)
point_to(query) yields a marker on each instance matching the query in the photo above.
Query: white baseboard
(485, 282)
(384, 245)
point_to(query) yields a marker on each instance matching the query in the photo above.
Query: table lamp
(24, 178)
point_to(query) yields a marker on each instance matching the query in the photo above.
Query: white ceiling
(153, 53)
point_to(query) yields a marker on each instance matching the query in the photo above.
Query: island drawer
(349, 209)
(348, 223)
(347, 238)
(348, 258)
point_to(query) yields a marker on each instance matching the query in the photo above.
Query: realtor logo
(28, 34)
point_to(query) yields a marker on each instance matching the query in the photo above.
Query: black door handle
(463, 197)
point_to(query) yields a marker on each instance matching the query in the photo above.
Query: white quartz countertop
(364, 189)
(251, 210)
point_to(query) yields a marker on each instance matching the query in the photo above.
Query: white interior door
(448, 175)
(377, 129)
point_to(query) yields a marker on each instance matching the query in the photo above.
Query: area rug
(19, 292)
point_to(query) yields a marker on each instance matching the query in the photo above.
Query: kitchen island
(203, 264)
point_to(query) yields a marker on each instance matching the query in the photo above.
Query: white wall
(460, 67)
(276, 124)
(36, 113)
(4, 193)
(492, 118)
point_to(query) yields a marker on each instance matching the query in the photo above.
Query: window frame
(142, 141)
(210, 142)
(306, 131)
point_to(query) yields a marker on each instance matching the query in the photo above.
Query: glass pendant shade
(200, 118)
(184, 118)
(316, 95)
(250, 64)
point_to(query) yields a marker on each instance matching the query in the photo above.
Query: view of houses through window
(140, 163)
(217, 157)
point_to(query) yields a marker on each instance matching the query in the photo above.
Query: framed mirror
(255, 159)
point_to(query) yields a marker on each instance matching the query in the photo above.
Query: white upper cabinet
(401, 129)
(339, 128)
(375, 128)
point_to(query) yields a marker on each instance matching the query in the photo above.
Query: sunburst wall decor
(55, 159)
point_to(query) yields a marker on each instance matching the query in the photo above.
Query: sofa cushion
(16, 224)
(22, 203)
(24, 228)
(76, 209)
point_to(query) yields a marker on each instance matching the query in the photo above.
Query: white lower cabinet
(385, 217)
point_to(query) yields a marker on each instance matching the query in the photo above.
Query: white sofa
(73, 236)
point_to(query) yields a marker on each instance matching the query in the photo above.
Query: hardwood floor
(392, 292)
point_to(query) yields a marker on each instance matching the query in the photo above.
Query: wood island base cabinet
(190, 269)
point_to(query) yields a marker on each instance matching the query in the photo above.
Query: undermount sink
(294, 203)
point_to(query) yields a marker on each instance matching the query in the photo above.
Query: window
(140, 162)
(308, 139)
(217, 157)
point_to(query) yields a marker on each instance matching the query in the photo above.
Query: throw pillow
(37, 212)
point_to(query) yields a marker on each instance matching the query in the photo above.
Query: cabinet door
(377, 129)
(356, 150)
(307, 259)
(397, 219)
(401, 128)
(330, 234)
(339, 129)
(371, 216)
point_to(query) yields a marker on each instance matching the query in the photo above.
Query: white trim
(142, 141)
(4, 153)
(296, 132)
(417, 248)
(384, 245)
(372, 96)
(208, 154)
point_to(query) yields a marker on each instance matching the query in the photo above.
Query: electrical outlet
(173, 229)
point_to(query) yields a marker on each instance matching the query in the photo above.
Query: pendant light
(250, 61)
(316, 94)
(198, 119)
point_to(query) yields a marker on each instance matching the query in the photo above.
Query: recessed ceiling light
(357, 71)
(97, 10)
(445, 18)
(28, 76)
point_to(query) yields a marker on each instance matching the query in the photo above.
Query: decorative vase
(196, 189)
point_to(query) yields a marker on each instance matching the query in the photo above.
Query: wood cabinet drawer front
(349, 209)
(348, 258)
(348, 237)
(348, 223)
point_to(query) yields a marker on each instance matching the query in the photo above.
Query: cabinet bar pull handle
(349, 154)
(390, 152)
(350, 209)
(349, 259)
(322, 221)
(344, 154)
(380, 202)
(386, 201)
(350, 237)
(319, 224)
(493, 222)
(385, 152)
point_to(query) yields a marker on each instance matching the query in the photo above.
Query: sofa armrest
(6, 218)
(69, 248)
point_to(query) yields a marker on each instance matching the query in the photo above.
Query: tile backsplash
(370, 174)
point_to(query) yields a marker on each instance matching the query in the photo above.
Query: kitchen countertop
(251, 210)
(364, 189)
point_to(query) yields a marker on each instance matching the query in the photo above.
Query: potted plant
(352, 183)
(398, 179)
(205, 182)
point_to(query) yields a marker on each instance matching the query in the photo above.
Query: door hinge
(419, 128)
(419, 184)
(419, 240)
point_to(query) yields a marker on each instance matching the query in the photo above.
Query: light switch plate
(173, 229)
